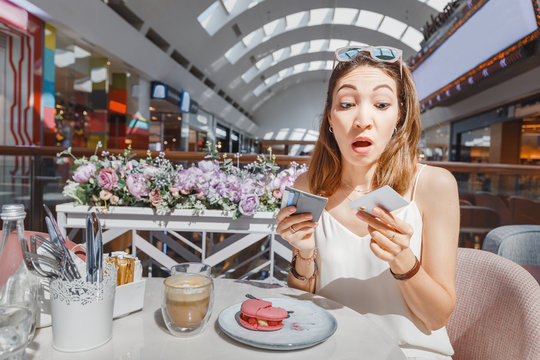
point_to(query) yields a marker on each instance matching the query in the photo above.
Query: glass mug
(187, 300)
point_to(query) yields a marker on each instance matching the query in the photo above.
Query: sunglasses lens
(347, 54)
(385, 54)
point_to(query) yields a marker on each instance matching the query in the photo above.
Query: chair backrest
(496, 203)
(524, 211)
(523, 248)
(518, 236)
(478, 217)
(465, 202)
(497, 314)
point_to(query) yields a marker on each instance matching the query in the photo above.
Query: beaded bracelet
(292, 265)
(315, 253)
(409, 274)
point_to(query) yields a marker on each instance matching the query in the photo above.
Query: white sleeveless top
(352, 275)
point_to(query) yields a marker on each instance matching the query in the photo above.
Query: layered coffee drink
(187, 301)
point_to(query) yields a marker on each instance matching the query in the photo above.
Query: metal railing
(38, 179)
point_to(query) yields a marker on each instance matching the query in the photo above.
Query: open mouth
(362, 143)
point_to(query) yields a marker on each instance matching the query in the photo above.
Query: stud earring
(330, 129)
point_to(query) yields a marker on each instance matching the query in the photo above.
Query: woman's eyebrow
(382, 86)
(346, 86)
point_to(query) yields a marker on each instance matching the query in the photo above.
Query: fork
(37, 270)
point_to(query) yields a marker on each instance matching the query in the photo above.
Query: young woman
(399, 266)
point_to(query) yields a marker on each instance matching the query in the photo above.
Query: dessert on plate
(257, 314)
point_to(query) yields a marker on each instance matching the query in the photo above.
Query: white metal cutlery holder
(82, 311)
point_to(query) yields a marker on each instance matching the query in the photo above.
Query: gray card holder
(304, 202)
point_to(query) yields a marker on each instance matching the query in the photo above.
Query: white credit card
(385, 197)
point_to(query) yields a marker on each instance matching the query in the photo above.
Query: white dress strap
(416, 181)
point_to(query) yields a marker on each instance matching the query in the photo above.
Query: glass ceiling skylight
(306, 47)
(290, 71)
(220, 12)
(353, 17)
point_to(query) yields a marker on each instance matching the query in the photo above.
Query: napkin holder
(129, 298)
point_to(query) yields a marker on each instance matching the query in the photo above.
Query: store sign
(434, 23)
(159, 91)
(185, 101)
(13, 15)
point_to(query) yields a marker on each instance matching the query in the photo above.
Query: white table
(143, 335)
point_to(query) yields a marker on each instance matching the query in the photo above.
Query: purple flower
(107, 178)
(208, 165)
(186, 180)
(248, 205)
(136, 186)
(84, 173)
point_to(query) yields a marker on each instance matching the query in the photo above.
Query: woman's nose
(363, 118)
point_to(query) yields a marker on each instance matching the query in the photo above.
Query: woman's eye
(382, 106)
(345, 105)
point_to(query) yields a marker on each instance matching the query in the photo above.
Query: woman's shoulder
(435, 183)
(302, 182)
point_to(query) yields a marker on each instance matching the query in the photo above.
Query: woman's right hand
(297, 230)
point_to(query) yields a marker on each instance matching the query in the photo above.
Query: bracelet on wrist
(292, 268)
(409, 274)
(311, 258)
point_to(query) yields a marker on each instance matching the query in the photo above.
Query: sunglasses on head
(377, 53)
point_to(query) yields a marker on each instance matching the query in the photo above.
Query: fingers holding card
(304, 202)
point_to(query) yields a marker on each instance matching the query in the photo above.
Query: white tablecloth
(143, 335)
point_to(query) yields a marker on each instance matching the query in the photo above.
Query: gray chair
(519, 243)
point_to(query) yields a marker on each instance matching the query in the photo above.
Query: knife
(98, 247)
(94, 249)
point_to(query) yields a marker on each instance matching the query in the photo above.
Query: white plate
(308, 325)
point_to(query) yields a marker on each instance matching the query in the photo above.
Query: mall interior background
(171, 75)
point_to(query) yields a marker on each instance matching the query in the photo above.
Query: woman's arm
(431, 293)
(303, 242)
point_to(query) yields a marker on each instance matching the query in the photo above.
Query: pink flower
(84, 173)
(155, 197)
(107, 178)
(137, 186)
(175, 191)
(105, 195)
(150, 171)
(278, 194)
(114, 199)
(248, 205)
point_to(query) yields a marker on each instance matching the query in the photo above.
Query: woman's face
(364, 113)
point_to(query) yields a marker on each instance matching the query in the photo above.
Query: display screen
(495, 26)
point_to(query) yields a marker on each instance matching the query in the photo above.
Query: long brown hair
(397, 163)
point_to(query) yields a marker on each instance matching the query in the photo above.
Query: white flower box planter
(119, 219)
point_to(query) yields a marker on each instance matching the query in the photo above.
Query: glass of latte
(187, 300)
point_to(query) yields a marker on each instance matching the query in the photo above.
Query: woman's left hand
(389, 235)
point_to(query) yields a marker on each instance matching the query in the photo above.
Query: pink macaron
(257, 314)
